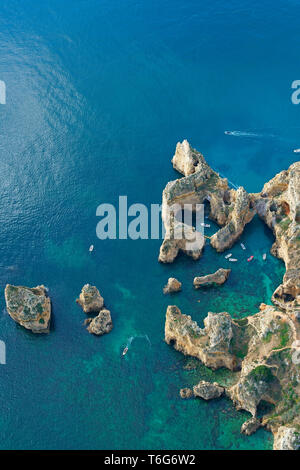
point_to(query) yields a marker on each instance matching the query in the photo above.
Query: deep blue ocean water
(98, 95)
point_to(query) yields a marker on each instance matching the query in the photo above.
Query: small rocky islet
(262, 348)
(215, 279)
(31, 308)
(91, 301)
(173, 285)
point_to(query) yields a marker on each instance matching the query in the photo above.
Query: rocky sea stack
(91, 301)
(30, 307)
(216, 279)
(172, 286)
(101, 324)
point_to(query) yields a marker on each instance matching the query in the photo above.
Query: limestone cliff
(278, 205)
(261, 346)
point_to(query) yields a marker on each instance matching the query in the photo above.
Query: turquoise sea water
(98, 94)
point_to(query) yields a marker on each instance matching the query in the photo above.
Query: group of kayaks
(251, 258)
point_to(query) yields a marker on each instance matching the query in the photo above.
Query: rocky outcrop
(90, 299)
(287, 438)
(101, 324)
(186, 159)
(30, 307)
(207, 390)
(211, 344)
(231, 209)
(241, 214)
(186, 393)
(251, 426)
(278, 205)
(173, 285)
(217, 278)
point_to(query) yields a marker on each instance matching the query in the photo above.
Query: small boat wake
(246, 134)
(131, 339)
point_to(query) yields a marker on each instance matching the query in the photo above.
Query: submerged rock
(101, 324)
(90, 299)
(186, 393)
(217, 278)
(173, 285)
(30, 307)
(207, 390)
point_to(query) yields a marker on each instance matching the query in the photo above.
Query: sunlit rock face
(30, 307)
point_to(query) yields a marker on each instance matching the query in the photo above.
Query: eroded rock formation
(279, 206)
(261, 346)
(30, 307)
(231, 209)
(265, 347)
(207, 390)
(251, 426)
(173, 285)
(218, 278)
(101, 324)
(204, 390)
(209, 344)
(90, 299)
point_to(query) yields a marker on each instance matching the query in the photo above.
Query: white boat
(228, 256)
(124, 351)
(297, 151)
(91, 248)
(264, 257)
(205, 225)
(233, 260)
(243, 246)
